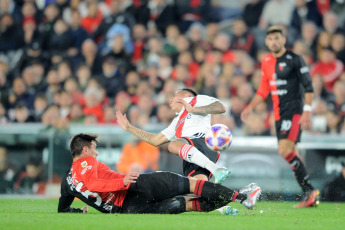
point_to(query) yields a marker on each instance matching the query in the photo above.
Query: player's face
(91, 151)
(174, 105)
(275, 42)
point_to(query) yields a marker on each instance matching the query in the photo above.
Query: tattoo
(214, 108)
(143, 135)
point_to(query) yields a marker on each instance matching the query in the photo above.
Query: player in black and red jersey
(161, 192)
(282, 74)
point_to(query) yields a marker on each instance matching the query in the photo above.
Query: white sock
(193, 155)
(221, 210)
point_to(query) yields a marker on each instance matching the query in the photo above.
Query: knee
(172, 147)
(284, 150)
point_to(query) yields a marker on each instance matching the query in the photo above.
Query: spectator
(90, 119)
(255, 126)
(331, 24)
(53, 87)
(65, 104)
(252, 12)
(138, 155)
(337, 104)
(309, 36)
(323, 41)
(170, 44)
(91, 57)
(22, 114)
(83, 76)
(29, 180)
(20, 94)
(3, 118)
(76, 115)
(155, 81)
(71, 86)
(273, 14)
(242, 38)
(139, 42)
(237, 106)
(93, 104)
(122, 102)
(162, 14)
(112, 78)
(188, 12)
(335, 189)
(79, 35)
(119, 52)
(338, 45)
(165, 67)
(93, 18)
(4, 88)
(60, 42)
(164, 114)
(329, 67)
(10, 35)
(6, 173)
(333, 122)
(319, 117)
(117, 16)
(40, 106)
(31, 33)
(305, 11)
(139, 10)
(197, 36)
(51, 14)
(109, 116)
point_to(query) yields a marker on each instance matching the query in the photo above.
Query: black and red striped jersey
(94, 183)
(283, 77)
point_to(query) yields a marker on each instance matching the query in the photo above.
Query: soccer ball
(218, 137)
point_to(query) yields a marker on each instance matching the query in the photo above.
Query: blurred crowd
(75, 61)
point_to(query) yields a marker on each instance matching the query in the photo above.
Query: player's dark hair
(274, 29)
(190, 91)
(79, 141)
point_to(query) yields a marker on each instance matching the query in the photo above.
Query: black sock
(301, 174)
(214, 196)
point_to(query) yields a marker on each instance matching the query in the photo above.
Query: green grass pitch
(42, 214)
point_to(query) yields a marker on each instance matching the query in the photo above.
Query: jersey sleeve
(204, 100)
(264, 88)
(66, 199)
(170, 132)
(90, 175)
(303, 74)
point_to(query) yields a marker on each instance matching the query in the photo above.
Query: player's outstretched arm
(214, 108)
(151, 138)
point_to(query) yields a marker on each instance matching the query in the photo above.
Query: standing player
(282, 74)
(186, 134)
(109, 192)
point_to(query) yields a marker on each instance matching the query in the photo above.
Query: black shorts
(288, 127)
(190, 169)
(150, 189)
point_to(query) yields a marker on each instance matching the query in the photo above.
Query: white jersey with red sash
(188, 124)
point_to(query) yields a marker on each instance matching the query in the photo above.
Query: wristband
(307, 108)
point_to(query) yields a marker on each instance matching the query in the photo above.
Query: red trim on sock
(191, 173)
(196, 186)
(234, 197)
(200, 187)
(290, 156)
(184, 151)
(198, 207)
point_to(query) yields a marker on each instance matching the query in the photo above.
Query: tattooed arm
(151, 138)
(214, 108)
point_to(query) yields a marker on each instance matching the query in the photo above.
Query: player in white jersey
(186, 134)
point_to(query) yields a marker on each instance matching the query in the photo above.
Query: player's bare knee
(173, 148)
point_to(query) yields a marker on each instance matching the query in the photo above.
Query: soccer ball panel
(218, 137)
